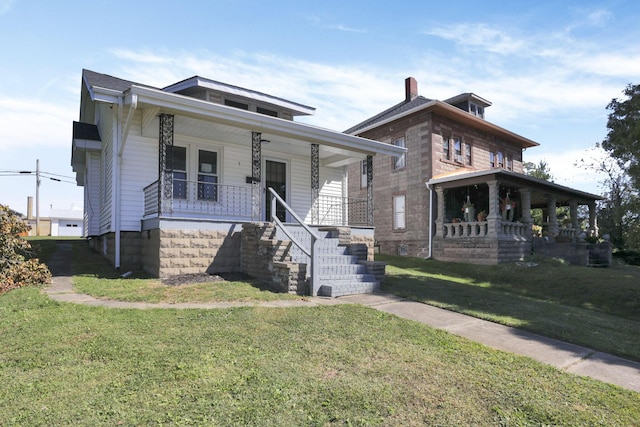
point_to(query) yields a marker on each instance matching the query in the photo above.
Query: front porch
(485, 217)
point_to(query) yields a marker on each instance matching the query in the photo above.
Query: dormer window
(266, 112)
(236, 104)
(476, 110)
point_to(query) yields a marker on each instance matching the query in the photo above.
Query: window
(363, 174)
(236, 104)
(176, 163)
(399, 222)
(266, 112)
(476, 110)
(467, 153)
(457, 149)
(500, 159)
(445, 148)
(399, 161)
(207, 175)
(509, 163)
(492, 159)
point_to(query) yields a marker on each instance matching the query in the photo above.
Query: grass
(67, 364)
(93, 275)
(597, 308)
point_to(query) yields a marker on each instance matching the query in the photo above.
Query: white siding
(139, 168)
(92, 195)
(105, 122)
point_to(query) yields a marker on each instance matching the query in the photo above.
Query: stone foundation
(483, 251)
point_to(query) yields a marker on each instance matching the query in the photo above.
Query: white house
(66, 222)
(177, 180)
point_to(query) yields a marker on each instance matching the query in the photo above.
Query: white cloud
(33, 123)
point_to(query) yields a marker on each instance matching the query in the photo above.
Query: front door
(276, 178)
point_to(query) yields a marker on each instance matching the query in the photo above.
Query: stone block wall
(168, 252)
(484, 251)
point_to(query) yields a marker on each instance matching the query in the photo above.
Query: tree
(18, 267)
(623, 139)
(541, 170)
(618, 214)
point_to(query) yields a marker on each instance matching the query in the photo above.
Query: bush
(18, 266)
(628, 256)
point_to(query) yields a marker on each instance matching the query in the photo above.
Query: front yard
(66, 364)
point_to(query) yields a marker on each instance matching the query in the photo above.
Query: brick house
(459, 193)
(203, 176)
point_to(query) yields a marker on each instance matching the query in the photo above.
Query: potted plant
(482, 216)
(468, 210)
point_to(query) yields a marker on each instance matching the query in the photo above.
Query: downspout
(122, 134)
(430, 219)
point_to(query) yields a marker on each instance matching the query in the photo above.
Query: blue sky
(549, 68)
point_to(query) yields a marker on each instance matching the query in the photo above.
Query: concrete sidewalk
(564, 356)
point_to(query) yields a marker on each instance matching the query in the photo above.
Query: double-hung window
(467, 153)
(399, 161)
(207, 175)
(500, 159)
(445, 148)
(176, 163)
(457, 149)
(399, 216)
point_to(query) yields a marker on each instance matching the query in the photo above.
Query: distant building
(59, 222)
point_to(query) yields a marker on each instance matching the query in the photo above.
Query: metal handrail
(310, 252)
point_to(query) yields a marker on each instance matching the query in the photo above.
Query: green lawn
(67, 364)
(598, 308)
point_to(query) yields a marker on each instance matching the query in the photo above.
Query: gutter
(430, 219)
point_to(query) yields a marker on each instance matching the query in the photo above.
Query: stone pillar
(553, 219)
(525, 200)
(573, 212)
(165, 175)
(494, 220)
(440, 218)
(256, 175)
(593, 220)
(369, 190)
(315, 184)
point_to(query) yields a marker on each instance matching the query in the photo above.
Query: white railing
(341, 211)
(200, 199)
(309, 251)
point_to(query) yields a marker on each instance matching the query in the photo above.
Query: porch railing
(311, 251)
(203, 199)
(466, 229)
(481, 229)
(337, 210)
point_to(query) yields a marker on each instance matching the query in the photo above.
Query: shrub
(18, 267)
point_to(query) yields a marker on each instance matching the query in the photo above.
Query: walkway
(564, 356)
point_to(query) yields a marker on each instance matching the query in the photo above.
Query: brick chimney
(410, 89)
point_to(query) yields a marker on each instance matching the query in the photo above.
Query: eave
(449, 111)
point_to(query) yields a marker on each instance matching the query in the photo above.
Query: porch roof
(339, 148)
(539, 187)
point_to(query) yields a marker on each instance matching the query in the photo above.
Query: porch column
(315, 183)
(552, 221)
(256, 174)
(525, 199)
(494, 220)
(573, 211)
(369, 190)
(593, 220)
(440, 219)
(165, 188)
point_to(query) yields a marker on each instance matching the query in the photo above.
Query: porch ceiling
(539, 188)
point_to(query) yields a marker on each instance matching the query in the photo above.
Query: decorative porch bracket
(165, 192)
(370, 190)
(315, 183)
(256, 174)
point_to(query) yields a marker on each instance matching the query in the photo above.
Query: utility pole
(37, 197)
